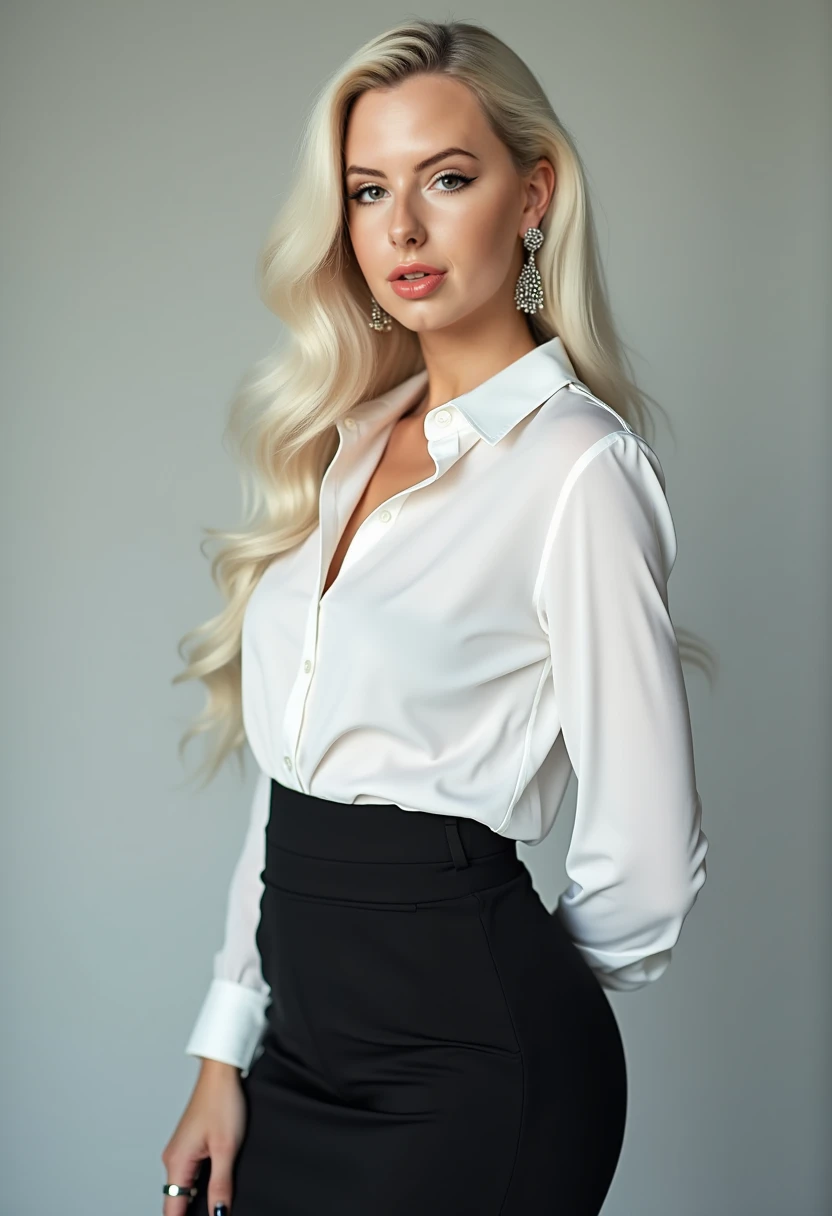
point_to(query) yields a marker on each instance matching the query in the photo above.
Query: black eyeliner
(462, 177)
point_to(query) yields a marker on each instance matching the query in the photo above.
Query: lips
(413, 268)
(417, 289)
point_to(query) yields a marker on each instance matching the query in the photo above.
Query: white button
(287, 761)
(443, 417)
(307, 666)
(385, 517)
(350, 422)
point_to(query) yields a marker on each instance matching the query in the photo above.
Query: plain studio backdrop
(145, 148)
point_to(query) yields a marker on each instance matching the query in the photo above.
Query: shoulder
(571, 431)
(610, 481)
(612, 508)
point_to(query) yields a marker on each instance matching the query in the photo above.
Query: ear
(540, 189)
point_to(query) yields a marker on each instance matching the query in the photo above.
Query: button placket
(296, 701)
(444, 437)
(302, 686)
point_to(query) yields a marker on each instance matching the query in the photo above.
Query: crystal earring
(528, 294)
(380, 320)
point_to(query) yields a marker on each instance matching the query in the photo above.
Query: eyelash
(451, 173)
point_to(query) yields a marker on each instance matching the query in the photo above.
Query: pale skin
(469, 329)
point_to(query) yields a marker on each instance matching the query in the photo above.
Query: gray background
(144, 150)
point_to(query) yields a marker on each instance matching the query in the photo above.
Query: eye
(452, 174)
(459, 176)
(357, 193)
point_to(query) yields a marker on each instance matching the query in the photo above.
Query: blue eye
(355, 196)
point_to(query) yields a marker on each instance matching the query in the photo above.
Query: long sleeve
(636, 859)
(232, 1018)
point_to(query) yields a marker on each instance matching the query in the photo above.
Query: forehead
(424, 112)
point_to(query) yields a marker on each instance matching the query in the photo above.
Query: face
(461, 212)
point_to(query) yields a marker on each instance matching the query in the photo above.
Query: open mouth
(417, 284)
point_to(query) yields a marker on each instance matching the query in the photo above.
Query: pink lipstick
(415, 288)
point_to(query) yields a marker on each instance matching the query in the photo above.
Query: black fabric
(436, 1045)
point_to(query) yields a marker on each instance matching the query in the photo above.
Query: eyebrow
(423, 164)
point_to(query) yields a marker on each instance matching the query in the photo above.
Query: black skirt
(436, 1044)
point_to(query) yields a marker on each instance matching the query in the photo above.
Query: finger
(183, 1173)
(220, 1184)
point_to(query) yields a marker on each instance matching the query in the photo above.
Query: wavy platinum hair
(283, 415)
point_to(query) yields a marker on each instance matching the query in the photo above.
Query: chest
(404, 462)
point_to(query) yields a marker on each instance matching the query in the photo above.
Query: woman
(452, 594)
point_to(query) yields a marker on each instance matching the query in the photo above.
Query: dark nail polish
(220, 1209)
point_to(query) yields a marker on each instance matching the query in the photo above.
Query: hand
(212, 1125)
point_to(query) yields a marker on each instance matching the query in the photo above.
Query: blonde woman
(451, 593)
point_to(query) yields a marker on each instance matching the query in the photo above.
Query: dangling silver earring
(380, 320)
(528, 294)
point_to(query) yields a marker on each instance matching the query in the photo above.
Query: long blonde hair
(283, 414)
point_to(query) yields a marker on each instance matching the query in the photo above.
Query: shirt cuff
(636, 975)
(230, 1024)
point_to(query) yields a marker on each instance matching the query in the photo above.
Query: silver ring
(171, 1188)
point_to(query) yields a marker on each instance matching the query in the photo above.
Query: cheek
(366, 240)
(485, 246)
(489, 222)
(359, 242)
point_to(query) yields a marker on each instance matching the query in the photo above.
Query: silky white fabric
(492, 628)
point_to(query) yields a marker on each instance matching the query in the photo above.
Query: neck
(418, 409)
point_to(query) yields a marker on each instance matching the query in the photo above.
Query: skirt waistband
(380, 852)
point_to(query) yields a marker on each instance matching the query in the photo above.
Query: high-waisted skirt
(435, 1045)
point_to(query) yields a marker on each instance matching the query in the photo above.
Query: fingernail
(221, 1209)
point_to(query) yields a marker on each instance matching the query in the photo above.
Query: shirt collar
(494, 407)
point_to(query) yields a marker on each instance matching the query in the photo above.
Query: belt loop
(455, 843)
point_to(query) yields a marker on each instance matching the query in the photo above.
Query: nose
(405, 229)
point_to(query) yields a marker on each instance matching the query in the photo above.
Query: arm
(636, 859)
(232, 1017)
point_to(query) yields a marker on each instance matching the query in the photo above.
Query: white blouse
(492, 628)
